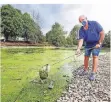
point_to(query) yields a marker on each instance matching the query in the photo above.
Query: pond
(20, 68)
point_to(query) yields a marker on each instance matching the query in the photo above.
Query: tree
(11, 22)
(69, 41)
(37, 20)
(74, 33)
(49, 37)
(15, 24)
(106, 41)
(32, 31)
(28, 27)
(56, 35)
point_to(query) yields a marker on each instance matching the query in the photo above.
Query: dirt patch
(22, 43)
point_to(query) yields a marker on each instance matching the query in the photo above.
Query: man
(92, 34)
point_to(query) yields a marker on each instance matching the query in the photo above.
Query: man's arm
(80, 43)
(102, 35)
(101, 32)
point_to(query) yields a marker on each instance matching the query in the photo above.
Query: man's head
(83, 20)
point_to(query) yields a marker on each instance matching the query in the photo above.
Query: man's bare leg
(94, 69)
(86, 61)
(95, 63)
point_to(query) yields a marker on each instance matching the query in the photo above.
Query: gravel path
(81, 89)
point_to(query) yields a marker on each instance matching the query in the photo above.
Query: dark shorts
(95, 52)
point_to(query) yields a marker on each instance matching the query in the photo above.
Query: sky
(67, 14)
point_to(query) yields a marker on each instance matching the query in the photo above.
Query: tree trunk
(6, 35)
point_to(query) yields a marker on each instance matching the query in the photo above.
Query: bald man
(92, 34)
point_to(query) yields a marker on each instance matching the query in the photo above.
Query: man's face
(83, 20)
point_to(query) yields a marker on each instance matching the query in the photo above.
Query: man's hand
(97, 46)
(78, 52)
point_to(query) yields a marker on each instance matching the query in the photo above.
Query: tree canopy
(15, 24)
(56, 35)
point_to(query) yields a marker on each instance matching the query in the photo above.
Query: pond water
(20, 65)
